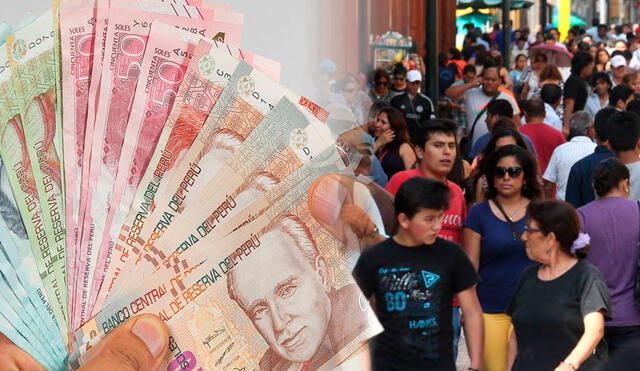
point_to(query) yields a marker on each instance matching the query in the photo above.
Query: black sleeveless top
(391, 161)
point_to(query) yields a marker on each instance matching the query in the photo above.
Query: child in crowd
(412, 279)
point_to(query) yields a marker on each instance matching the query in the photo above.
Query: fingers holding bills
(150, 165)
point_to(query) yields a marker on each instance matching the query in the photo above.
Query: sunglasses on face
(382, 83)
(513, 171)
(399, 78)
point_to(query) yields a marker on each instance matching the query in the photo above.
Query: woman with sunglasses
(491, 238)
(560, 305)
(504, 134)
(349, 93)
(379, 92)
(392, 141)
(613, 222)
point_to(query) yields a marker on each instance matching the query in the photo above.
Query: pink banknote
(208, 73)
(77, 28)
(163, 68)
(126, 40)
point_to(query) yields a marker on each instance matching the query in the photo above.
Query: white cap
(414, 75)
(618, 61)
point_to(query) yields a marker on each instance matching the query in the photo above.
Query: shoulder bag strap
(475, 122)
(512, 225)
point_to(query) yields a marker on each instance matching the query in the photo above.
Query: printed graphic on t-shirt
(415, 296)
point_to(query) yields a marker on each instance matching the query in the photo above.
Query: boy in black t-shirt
(412, 278)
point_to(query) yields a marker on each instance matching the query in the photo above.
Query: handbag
(467, 141)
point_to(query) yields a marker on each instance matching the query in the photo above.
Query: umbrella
(483, 4)
(476, 18)
(556, 55)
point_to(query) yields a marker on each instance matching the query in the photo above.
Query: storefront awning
(483, 4)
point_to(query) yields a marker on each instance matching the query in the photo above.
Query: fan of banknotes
(149, 165)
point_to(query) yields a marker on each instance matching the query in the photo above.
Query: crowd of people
(517, 213)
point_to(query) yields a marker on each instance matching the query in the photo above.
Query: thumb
(141, 343)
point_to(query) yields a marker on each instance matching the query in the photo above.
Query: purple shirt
(614, 226)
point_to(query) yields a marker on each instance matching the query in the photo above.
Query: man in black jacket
(415, 106)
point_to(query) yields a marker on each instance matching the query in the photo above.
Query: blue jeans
(455, 316)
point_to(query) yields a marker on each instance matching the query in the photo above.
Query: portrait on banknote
(296, 310)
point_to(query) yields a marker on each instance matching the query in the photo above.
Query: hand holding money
(176, 182)
(139, 344)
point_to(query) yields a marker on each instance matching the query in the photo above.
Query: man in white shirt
(477, 96)
(551, 95)
(567, 154)
(593, 30)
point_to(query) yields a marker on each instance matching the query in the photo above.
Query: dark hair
(398, 125)
(601, 122)
(504, 123)
(561, 219)
(535, 108)
(399, 69)
(434, 126)
(520, 56)
(421, 193)
(500, 107)
(379, 74)
(469, 68)
(580, 61)
(490, 65)
(624, 131)
(600, 50)
(502, 132)
(616, 52)
(540, 57)
(608, 174)
(455, 53)
(622, 91)
(531, 188)
(551, 93)
(602, 76)
(550, 72)
(443, 58)
(583, 46)
(634, 106)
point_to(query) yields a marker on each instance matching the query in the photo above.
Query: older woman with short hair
(560, 305)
